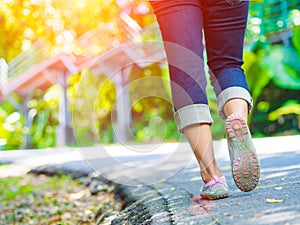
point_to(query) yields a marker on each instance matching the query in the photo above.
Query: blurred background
(54, 57)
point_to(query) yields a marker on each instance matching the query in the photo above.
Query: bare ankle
(236, 106)
(207, 176)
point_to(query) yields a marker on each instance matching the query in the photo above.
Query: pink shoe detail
(215, 180)
(215, 189)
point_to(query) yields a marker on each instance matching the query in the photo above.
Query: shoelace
(215, 180)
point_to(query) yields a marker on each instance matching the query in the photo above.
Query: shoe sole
(244, 161)
(211, 197)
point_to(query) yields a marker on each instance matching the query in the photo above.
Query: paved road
(161, 182)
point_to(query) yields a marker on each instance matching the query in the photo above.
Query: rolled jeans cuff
(192, 114)
(232, 93)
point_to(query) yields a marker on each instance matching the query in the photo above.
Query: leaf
(259, 187)
(258, 215)
(249, 60)
(282, 64)
(271, 200)
(286, 77)
(290, 107)
(296, 38)
(278, 188)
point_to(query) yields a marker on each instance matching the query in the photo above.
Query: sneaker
(244, 161)
(215, 189)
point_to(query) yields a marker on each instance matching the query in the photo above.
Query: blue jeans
(182, 23)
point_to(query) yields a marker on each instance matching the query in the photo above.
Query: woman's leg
(224, 25)
(180, 22)
(200, 139)
(224, 28)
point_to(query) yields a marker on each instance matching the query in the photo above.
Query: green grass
(10, 187)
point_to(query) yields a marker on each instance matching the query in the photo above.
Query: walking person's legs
(181, 22)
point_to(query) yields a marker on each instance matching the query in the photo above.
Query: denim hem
(192, 114)
(231, 93)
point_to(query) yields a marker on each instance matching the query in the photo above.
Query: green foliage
(41, 125)
(273, 75)
(43, 113)
(9, 188)
(151, 115)
(276, 112)
(152, 110)
(11, 124)
(92, 99)
(289, 107)
(296, 39)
